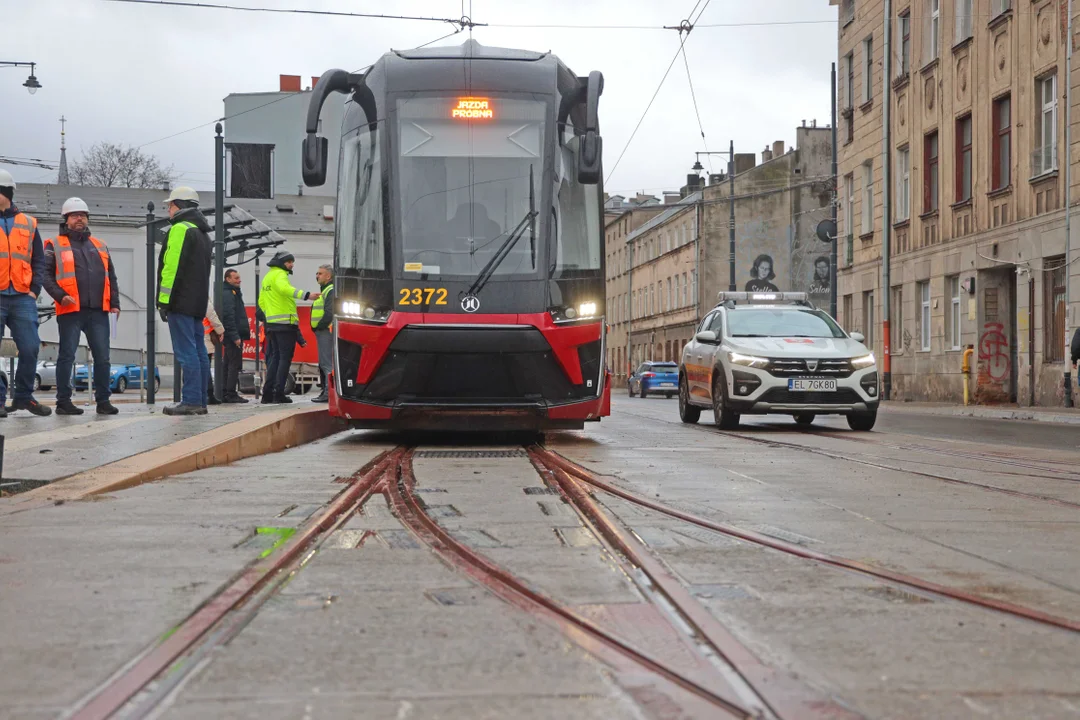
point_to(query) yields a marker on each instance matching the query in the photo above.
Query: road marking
(69, 433)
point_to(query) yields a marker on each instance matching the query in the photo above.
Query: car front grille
(793, 367)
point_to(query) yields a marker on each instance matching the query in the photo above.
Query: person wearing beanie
(81, 278)
(278, 303)
(22, 263)
(183, 294)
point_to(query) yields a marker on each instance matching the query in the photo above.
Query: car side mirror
(858, 337)
(706, 336)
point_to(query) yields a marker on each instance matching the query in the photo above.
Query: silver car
(45, 377)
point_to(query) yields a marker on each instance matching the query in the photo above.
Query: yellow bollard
(966, 369)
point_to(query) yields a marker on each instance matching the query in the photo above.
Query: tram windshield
(466, 169)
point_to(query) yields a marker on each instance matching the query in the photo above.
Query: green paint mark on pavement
(283, 534)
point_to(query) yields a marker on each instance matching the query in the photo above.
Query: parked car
(656, 378)
(121, 377)
(45, 378)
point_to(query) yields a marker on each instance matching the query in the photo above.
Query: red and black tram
(468, 243)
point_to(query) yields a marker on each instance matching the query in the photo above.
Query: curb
(992, 414)
(256, 435)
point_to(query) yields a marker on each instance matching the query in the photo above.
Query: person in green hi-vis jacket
(278, 304)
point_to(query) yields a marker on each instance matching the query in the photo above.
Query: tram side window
(360, 220)
(576, 211)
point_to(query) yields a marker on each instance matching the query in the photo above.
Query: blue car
(121, 377)
(656, 378)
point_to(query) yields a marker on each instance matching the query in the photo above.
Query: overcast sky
(135, 74)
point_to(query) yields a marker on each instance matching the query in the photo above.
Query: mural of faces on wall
(761, 275)
(820, 282)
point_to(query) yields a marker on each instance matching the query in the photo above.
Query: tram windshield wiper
(526, 222)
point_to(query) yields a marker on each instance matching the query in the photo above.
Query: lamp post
(32, 85)
(731, 217)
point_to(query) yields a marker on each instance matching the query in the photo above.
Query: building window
(903, 184)
(693, 287)
(903, 66)
(868, 198)
(685, 291)
(849, 205)
(963, 20)
(1044, 157)
(251, 171)
(1054, 282)
(1002, 145)
(963, 159)
(849, 80)
(849, 317)
(924, 316)
(847, 11)
(952, 320)
(932, 35)
(1000, 6)
(896, 320)
(930, 172)
(677, 298)
(868, 70)
(868, 317)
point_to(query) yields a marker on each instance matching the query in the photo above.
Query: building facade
(656, 254)
(975, 220)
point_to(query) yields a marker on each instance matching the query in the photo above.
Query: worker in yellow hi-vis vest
(322, 323)
(183, 294)
(278, 303)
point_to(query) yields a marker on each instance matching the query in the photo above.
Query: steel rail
(410, 511)
(836, 561)
(118, 690)
(781, 693)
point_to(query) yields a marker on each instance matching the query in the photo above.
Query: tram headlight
(587, 309)
(362, 311)
(569, 313)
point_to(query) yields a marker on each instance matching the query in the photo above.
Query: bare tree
(109, 165)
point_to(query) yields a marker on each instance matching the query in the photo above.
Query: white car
(45, 376)
(760, 353)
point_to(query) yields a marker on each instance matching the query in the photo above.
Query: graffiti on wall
(994, 351)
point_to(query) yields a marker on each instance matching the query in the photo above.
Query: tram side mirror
(592, 145)
(314, 160)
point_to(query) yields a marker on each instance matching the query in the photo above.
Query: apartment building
(975, 223)
(656, 254)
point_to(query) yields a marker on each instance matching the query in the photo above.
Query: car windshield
(782, 322)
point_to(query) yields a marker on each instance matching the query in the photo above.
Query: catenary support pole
(835, 201)
(886, 206)
(258, 360)
(1068, 203)
(630, 315)
(151, 302)
(731, 220)
(219, 250)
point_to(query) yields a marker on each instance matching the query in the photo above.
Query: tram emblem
(470, 303)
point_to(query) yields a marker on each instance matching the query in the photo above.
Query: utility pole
(886, 206)
(219, 250)
(835, 202)
(630, 301)
(731, 220)
(151, 306)
(1068, 199)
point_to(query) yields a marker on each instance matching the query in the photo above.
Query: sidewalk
(1063, 415)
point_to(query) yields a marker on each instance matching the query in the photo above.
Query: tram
(469, 241)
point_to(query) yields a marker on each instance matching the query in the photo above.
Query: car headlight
(863, 362)
(362, 311)
(748, 360)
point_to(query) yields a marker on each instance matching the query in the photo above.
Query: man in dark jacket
(183, 294)
(234, 318)
(322, 320)
(1074, 350)
(81, 277)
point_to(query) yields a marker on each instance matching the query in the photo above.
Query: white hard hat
(183, 193)
(74, 205)
(6, 180)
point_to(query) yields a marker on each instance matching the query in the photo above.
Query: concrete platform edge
(1047, 416)
(257, 435)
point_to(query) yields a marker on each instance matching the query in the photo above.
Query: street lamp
(731, 218)
(32, 85)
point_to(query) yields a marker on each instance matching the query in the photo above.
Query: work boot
(106, 408)
(322, 398)
(282, 399)
(182, 409)
(212, 400)
(33, 406)
(268, 397)
(234, 399)
(3, 410)
(66, 407)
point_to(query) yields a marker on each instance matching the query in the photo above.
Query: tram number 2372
(422, 296)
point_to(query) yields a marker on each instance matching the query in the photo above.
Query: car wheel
(630, 389)
(668, 395)
(862, 421)
(687, 412)
(121, 385)
(724, 417)
(37, 383)
(804, 418)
